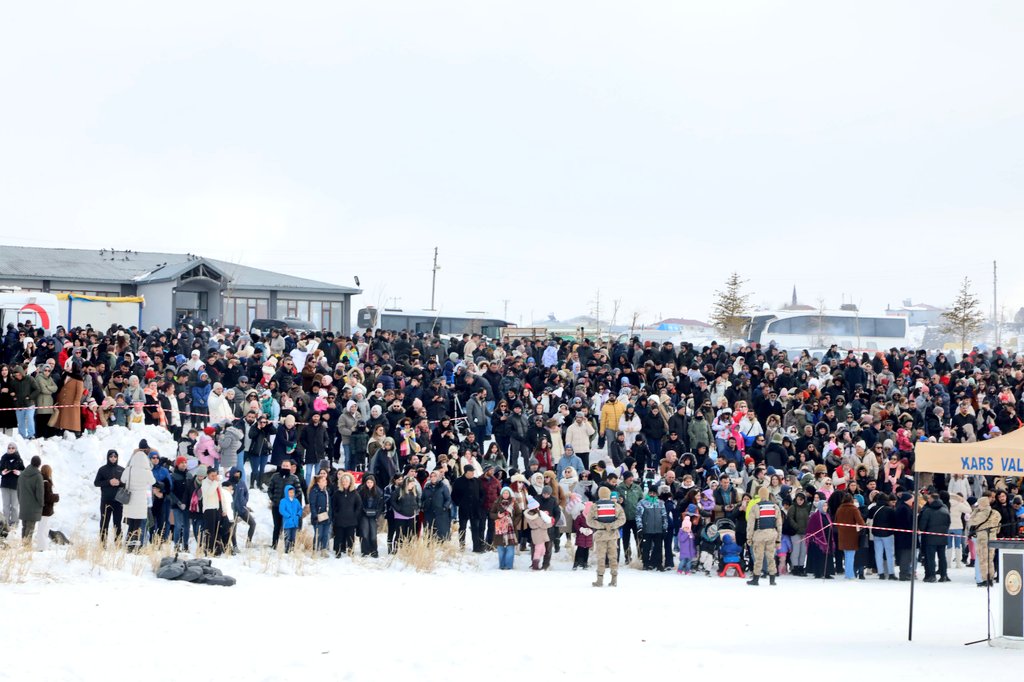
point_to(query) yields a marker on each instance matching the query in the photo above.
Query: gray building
(176, 284)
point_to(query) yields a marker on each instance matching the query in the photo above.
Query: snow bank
(75, 462)
(363, 619)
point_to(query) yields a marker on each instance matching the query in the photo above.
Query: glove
(181, 507)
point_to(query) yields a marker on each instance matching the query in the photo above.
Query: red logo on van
(44, 317)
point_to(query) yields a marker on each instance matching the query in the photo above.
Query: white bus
(430, 321)
(849, 329)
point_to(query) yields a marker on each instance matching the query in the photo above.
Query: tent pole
(913, 562)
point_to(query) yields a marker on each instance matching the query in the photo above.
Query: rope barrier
(180, 412)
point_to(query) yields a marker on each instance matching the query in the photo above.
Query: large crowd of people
(746, 461)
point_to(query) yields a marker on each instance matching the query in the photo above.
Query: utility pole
(995, 310)
(433, 279)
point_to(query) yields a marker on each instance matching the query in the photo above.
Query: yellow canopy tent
(999, 456)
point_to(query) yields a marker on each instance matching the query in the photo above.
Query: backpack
(606, 511)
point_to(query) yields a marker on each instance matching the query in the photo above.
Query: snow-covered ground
(355, 619)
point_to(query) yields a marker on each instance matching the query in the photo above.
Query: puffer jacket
(538, 522)
(578, 436)
(47, 391)
(797, 516)
(229, 443)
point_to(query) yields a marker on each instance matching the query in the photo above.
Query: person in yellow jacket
(611, 411)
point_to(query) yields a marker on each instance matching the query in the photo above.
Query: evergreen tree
(965, 318)
(730, 311)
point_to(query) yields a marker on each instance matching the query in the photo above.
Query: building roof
(140, 267)
(922, 307)
(682, 322)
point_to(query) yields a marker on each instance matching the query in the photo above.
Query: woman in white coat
(138, 479)
(220, 407)
(629, 423)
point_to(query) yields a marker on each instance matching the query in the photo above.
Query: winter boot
(754, 580)
(600, 580)
(535, 565)
(615, 580)
(771, 580)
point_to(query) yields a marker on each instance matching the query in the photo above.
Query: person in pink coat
(206, 449)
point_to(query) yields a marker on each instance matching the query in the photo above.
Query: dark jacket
(346, 508)
(282, 444)
(884, 517)
(406, 504)
(50, 498)
(240, 496)
(319, 501)
(313, 443)
(905, 521)
(30, 494)
(10, 462)
(102, 481)
(373, 502)
(934, 518)
(436, 503)
(180, 491)
(276, 491)
(468, 496)
(259, 440)
(797, 516)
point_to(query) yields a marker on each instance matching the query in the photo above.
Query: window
(831, 326)
(242, 311)
(322, 314)
(201, 271)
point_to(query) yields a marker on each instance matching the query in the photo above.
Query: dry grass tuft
(114, 556)
(425, 552)
(15, 561)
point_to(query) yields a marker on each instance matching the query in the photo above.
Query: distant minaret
(794, 303)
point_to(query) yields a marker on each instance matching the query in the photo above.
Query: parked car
(263, 326)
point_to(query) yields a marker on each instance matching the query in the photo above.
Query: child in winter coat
(538, 522)
(136, 418)
(584, 538)
(90, 417)
(320, 402)
(121, 410)
(687, 547)
(357, 444)
(730, 550)
(291, 514)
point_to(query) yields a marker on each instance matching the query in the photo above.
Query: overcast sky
(871, 149)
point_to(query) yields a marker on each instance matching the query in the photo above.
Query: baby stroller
(709, 547)
(730, 554)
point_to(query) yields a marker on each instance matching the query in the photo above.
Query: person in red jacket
(90, 417)
(491, 487)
